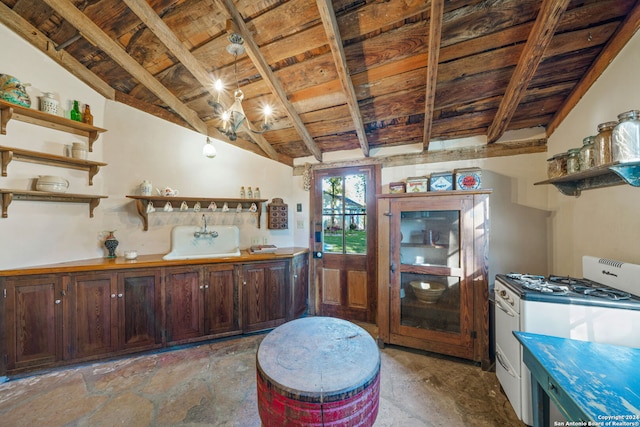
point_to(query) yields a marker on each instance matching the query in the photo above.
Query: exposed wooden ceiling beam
(613, 47)
(328, 16)
(541, 34)
(435, 33)
(31, 34)
(269, 77)
(150, 18)
(501, 149)
(79, 20)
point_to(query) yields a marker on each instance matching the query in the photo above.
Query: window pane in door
(344, 214)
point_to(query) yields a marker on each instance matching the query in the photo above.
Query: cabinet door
(431, 254)
(94, 314)
(139, 309)
(300, 288)
(33, 321)
(265, 294)
(221, 301)
(184, 304)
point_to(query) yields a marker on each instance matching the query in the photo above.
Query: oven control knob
(502, 293)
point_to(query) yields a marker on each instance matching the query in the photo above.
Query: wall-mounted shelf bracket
(142, 203)
(44, 196)
(597, 177)
(10, 111)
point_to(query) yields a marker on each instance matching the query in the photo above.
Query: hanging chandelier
(233, 118)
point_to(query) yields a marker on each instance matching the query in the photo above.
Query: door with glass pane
(430, 296)
(344, 218)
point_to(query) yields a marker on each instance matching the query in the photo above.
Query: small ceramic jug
(146, 188)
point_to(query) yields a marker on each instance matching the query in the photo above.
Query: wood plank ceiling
(341, 74)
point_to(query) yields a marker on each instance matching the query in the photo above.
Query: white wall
(601, 222)
(136, 146)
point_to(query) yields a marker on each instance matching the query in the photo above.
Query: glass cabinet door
(429, 296)
(430, 238)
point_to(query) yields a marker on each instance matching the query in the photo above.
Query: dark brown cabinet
(69, 316)
(265, 294)
(300, 286)
(201, 303)
(33, 318)
(182, 298)
(113, 313)
(432, 286)
(221, 301)
(140, 309)
(93, 315)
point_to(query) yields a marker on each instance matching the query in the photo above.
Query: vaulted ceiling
(342, 74)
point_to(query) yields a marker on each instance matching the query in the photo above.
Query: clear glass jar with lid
(557, 165)
(573, 160)
(586, 153)
(626, 137)
(602, 144)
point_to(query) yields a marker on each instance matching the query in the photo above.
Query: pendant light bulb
(209, 150)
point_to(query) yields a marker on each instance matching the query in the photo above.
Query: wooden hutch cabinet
(432, 284)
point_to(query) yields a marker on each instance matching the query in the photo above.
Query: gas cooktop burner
(612, 294)
(538, 283)
(562, 285)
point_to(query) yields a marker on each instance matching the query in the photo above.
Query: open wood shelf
(9, 195)
(9, 153)
(143, 201)
(10, 111)
(597, 177)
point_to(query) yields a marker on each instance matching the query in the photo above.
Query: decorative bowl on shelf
(427, 292)
(53, 184)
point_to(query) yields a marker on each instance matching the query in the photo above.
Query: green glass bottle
(75, 112)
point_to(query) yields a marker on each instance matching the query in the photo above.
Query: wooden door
(94, 314)
(221, 301)
(344, 235)
(184, 304)
(139, 311)
(33, 321)
(265, 294)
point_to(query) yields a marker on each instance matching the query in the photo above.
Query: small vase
(111, 243)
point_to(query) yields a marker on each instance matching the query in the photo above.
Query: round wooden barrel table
(318, 371)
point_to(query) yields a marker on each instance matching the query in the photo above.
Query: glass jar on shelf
(573, 160)
(557, 165)
(586, 153)
(626, 137)
(602, 144)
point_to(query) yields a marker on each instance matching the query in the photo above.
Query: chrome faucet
(204, 231)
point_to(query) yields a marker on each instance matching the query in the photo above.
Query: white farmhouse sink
(220, 241)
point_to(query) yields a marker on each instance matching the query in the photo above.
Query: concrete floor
(214, 384)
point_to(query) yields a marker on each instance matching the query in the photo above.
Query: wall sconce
(209, 150)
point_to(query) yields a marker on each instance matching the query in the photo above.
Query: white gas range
(603, 307)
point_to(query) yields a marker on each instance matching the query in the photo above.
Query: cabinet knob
(201, 287)
(206, 286)
(119, 295)
(58, 301)
(113, 295)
